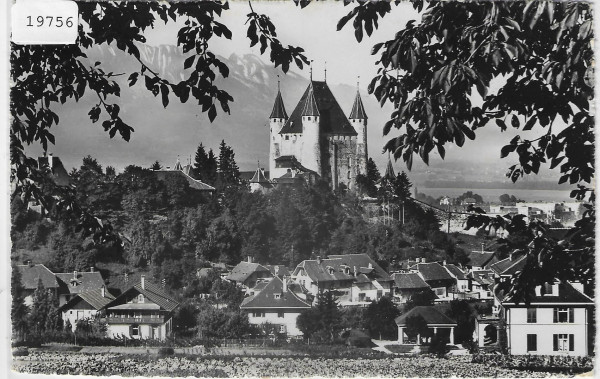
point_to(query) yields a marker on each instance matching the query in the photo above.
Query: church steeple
(358, 109)
(310, 105)
(279, 108)
(389, 170)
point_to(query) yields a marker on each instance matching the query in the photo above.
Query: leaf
(467, 131)
(507, 150)
(189, 61)
(501, 124)
(556, 161)
(515, 121)
(530, 123)
(441, 150)
(133, 78)
(164, 90)
(212, 113)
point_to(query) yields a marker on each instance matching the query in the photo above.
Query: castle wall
(275, 125)
(361, 145)
(340, 161)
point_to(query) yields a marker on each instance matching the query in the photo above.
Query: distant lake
(491, 195)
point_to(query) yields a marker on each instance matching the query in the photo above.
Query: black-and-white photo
(300, 188)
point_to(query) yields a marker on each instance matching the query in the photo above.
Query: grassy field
(76, 363)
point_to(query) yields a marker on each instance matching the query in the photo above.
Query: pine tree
(155, 166)
(39, 309)
(201, 164)
(229, 173)
(18, 308)
(211, 168)
(402, 186)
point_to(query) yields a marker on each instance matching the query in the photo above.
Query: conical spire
(389, 170)
(358, 110)
(278, 108)
(178, 165)
(310, 105)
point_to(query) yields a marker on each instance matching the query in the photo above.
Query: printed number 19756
(59, 21)
(44, 22)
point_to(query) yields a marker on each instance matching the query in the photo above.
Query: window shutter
(130, 331)
(555, 317)
(571, 315)
(571, 342)
(555, 340)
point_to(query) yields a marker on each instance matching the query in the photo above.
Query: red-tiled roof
(430, 313)
(278, 108)
(85, 281)
(266, 298)
(410, 280)
(31, 274)
(243, 270)
(358, 109)
(332, 119)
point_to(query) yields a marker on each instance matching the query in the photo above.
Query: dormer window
(330, 270)
(277, 296)
(140, 298)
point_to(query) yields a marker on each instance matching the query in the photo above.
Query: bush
(537, 362)
(20, 352)
(164, 351)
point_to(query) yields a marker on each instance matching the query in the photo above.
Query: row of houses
(555, 322)
(135, 308)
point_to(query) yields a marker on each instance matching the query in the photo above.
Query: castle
(318, 140)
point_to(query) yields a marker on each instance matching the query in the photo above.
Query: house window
(278, 296)
(281, 328)
(287, 138)
(258, 314)
(140, 298)
(563, 315)
(564, 342)
(135, 330)
(532, 342)
(79, 315)
(440, 291)
(280, 314)
(531, 315)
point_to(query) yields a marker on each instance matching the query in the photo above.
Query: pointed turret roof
(259, 177)
(279, 108)
(310, 105)
(332, 121)
(178, 165)
(389, 170)
(358, 109)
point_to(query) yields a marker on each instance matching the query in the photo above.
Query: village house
(71, 284)
(355, 279)
(461, 288)
(144, 311)
(437, 277)
(247, 273)
(556, 321)
(481, 283)
(185, 173)
(481, 260)
(407, 284)
(31, 275)
(274, 303)
(86, 305)
(259, 182)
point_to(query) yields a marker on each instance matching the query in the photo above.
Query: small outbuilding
(436, 320)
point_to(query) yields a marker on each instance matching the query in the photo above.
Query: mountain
(163, 134)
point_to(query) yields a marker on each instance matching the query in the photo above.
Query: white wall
(73, 315)
(545, 328)
(272, 317)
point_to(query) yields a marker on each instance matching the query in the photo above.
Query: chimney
(75, 274)
(422, 260)
(29, 263)
(319, 260)
(103, 291)
(50, 160)
(276, 269)
(418, 260)
(482, 245)
(143, 281)
(370, 265)
(92, 269)
(284, 288)
(249, 258)
(444, 262)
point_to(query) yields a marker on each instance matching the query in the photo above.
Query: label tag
(50, 22)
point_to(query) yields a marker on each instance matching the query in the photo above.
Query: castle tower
(311, 148)
(358, 118)
(276, 121)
